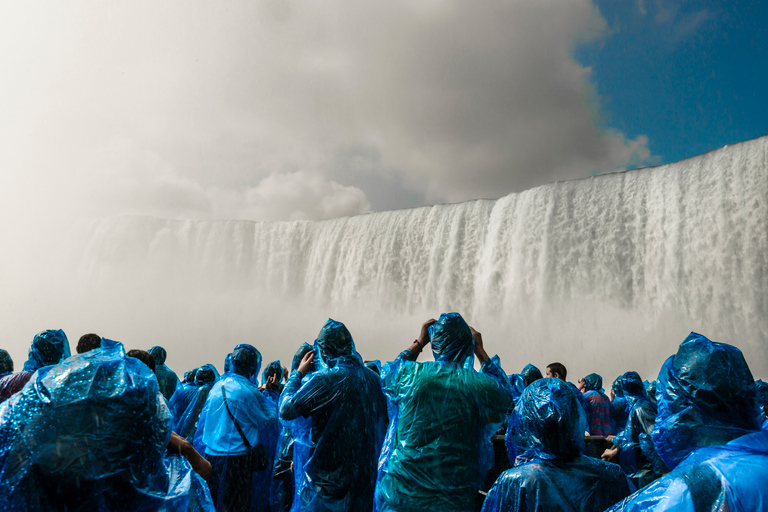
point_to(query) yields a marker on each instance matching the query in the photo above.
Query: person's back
(446, 413)
(166, 377)
(548, 426)
(232, 421)
(340, 423)
(98, 428)
(707, 433)
(599, 418)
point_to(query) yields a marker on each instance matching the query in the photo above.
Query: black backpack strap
(237, 425)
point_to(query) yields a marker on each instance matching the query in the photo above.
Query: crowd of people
(109, 429)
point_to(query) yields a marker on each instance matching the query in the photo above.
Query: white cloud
(302, 195)
(446, 101)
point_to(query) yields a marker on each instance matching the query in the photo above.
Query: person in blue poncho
(166, 377)
(230, 429)
(438, 447)
(600, 421)
(633, 445)
(548, 428)
(48, 348)
(185, 391)
(339, 415)
(707, 433)
(530, 374)
(272, 380)
(619, 405)
(281, 490)
(92, 434)
(185, 424)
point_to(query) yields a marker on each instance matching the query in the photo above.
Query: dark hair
(143, 356)
(559, 369)
(88, 342)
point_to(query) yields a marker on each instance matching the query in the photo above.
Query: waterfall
(603, 274)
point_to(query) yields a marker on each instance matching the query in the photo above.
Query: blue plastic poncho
(438, 448)
(705, 431)
(530, 374)
(339, 422)
(274, 368)
(762, 401)
(90, 434)
(707, 397)
(599, 407)
(178, 403)
(165, 376)
(6, 363)
(48, 347)
(650, 391)
(185, 424)
(281, 491)
(374, 366)
(637, 456)
(619, 405)
(232, 483)
(548, 425)
(228, 363)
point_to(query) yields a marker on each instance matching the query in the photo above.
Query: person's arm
(422, 341)
(482, 355)
(299, 399)
(200, 465)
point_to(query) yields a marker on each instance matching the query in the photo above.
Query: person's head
(633, 386)
(88, 342)
(451, 340)
(530, 374)
(143, 356)
(557, 371)
(303, 350)
(549, 421)
(206, 374)
(159, 354)
(228, 363)
(48, 348)
(593, 382)
(6, 363)
(189, 377)
(335, 340)
(246, 360)
(273, 369)
(706, 397)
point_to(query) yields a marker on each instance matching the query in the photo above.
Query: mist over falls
(604, 274)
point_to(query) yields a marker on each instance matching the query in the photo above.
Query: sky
(281, 110)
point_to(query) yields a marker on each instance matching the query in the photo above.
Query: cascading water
(603, 274)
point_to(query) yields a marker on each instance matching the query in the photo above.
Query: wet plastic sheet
(165, 376)
(48, 347)
(232, 482)
(338, 419)
(438, 447)
(548, 429)
(90, 434)
(706, 431)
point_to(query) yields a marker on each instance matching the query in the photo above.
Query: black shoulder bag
(258, 454)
